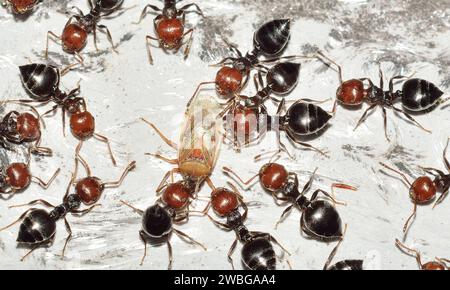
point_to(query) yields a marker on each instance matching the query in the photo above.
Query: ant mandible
(170, 27)
(42, 83)
(16, 177)
(319, 218)
(438, 264)
(158, 220)
(21, 6)
(18, 128)
(417, 95)
(38, 226)
(257, 252)
(74, 35)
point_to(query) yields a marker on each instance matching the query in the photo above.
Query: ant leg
(139, 211)
(380, 73)
(407, 223)
(94, 33)
(335, 201)
(363, 117)
(308, 184)
(189, 42)
(334, 251)
(223, 62)
(272, 157)
(196, 92)
(148, 38)
(398, 172)
(231, 251)
(339, 68)
(284, 214)
(71, 181)
(106, 140)
(432, 171)
(231, 173)
(385, 123)
(29, 252)
(190, 240)
(447, 163)
(233, 49)
(108, 35)
(197, 9)
(37, 149)
(37, 201)
(169, 247)
(117, 183)
(85, 211)
(391, 82)
(163, 184)
(44, 184)
(219, 224)
(144, 12)
(342, 186)
(161, 135)
(142, 235)
(52, 34)
(309, 146)
(411, 119)
(82, 160)
(441, 198)
(404, 248)
(69, 236)
(272, 239)
(18, 220)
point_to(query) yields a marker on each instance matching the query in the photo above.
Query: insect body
(438, 264)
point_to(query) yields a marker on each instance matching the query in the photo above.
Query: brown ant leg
(161, 135)
(363, 117)
(411, 119)
(447, 163)
(385, 123)
(408, 221)
(44, 184)
(79, 58)
(29, 252)
(270, 238)
(231, 251)
(94, 33)
(189, 42)
(339, 68)
(284, 214)
(18, 220)
(69, 236)
(85, 211)
(190, 240)
(142, 235)
(197, 9)
(333, 252)
(169, 247)
(315, 193)
(398, 172)
(106, 140)
(219, 224)
(404, 248)
(231, 173)
(144, 12)
(108, 35)
(117, 183)
(139, 211)
(37, 201)
(52, 34)
(196, 91)
(148, 38)
(82, 160)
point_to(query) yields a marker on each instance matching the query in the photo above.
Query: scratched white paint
(120, 88)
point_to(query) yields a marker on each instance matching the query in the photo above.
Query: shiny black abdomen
(320, 220)
(258, 254)
(37, 227)
(419, 95)
(350, 265)
(156, 222)
(40, 80)
(283, 77)
(304, 119)
(272, 37)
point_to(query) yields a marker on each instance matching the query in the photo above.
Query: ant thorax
(290, 189)
(170, 11)
(442, 182)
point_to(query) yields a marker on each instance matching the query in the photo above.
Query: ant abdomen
(157, 222)
(40, 80)
(322, 221)
(305, 119)
(107, 6)
(37, 227)
(258, 254)
(419, 94)
(272, 37)
(283, 77)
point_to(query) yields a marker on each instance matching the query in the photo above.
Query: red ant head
(273, 176)
(18, 176)
(351, 92)
(423, 190)
(82, 125)
(22, 6)
(228, 81)
(89, 189)
(28, 127)
(74, 38)
(224, 201)
(176, 195)
(433, 266)
(170, 32)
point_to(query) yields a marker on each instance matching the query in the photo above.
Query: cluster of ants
(245, 119)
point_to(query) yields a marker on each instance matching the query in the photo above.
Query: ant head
(224, 201)
(89, 189)
(352, 92)
(273, 176)
(423, 190)
(156, 222)
(28, 127)
(176, 195)
(18, 176)
(228, 80)
(23, 6)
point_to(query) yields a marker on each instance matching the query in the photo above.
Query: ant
(158, 220)
(18, 128)
(257, 252)
(170, 27)
(16, 177)
(438, 264)
(417, 95)
(353, 265)
(42, 83)
(269, 39)
(198, 147)
(423, 190)
(38, 226)
(319, 219)
(74, 35)
(21, 6)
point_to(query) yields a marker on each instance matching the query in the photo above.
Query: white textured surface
(405, 37)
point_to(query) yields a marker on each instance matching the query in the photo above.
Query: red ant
(21, 6)
(170, 27)
(423, 190)
(438, 264)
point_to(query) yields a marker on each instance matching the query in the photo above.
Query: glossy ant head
(176, 195)
(89, 189)
(28, 127)
(273, 176)
(17, 176)
(74, 37)
(351, 92)
(224, 201)
(423, 190)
